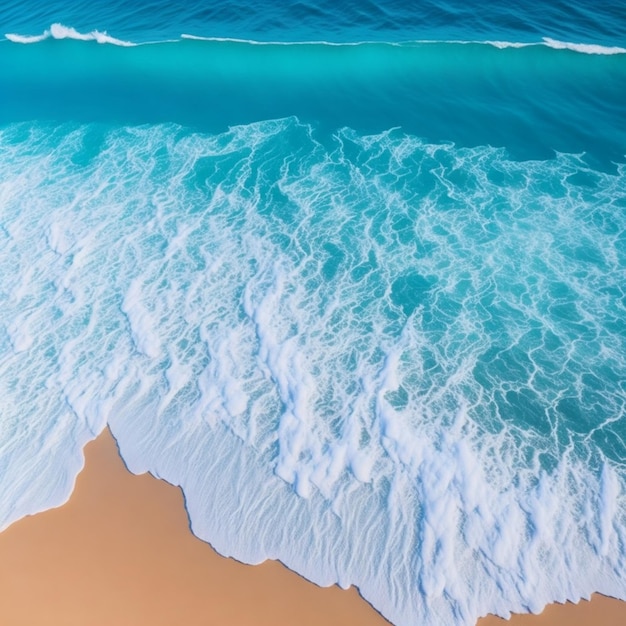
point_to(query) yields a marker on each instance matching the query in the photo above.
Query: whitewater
(365, 303)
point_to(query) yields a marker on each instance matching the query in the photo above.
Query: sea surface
(352, 274)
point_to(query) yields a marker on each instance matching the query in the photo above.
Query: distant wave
(584, 48)
(59, 31)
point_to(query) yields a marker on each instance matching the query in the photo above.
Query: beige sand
(120, 553)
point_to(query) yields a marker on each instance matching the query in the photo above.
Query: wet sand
(120, 553)
(599, 611)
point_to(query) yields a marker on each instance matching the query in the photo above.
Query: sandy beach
(120, 552)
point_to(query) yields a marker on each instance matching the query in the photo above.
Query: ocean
(353, 275)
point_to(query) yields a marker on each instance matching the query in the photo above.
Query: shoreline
(598, 610)
(120, 552)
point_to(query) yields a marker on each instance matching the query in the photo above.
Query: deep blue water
(599, 22)
(351, 274)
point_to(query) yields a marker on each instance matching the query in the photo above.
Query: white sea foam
(307, 42)
(505, 44)
(14, 37)
(59, 31)
(553, 43)
(585, 48)
(349, 354)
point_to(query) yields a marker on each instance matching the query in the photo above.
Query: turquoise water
(364, 302)
(533, 100)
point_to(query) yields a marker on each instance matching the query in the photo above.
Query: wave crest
(585, 48)
(59, 31)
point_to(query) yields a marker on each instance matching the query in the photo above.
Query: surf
(384, 346)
